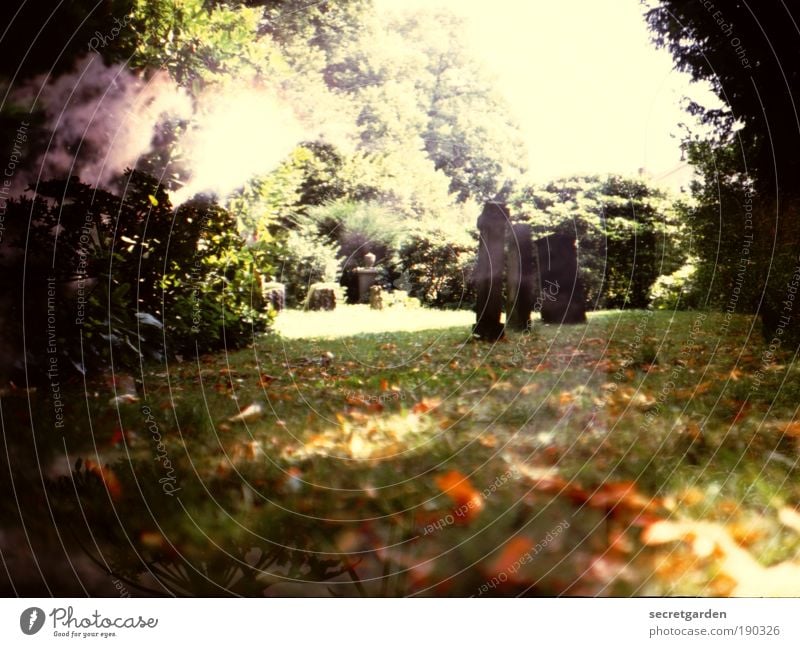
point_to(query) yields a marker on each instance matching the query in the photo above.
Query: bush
(781, 302)
(357, 229)
(305, 257)
(438, 266)
(628, 230)
(212, 295)
(676, 291)
(400, 299)
(127, 275)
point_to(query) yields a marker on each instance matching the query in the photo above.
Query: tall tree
(628, 232)
(748, 194)
(417, 84)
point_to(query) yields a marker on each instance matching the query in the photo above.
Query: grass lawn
(386, 453)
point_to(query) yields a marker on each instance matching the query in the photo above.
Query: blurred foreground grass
(386, 453)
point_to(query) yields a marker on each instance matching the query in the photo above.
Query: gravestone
(376, 297)
(321, 296)
(521, 278)
(492, 225)
(561, 297)
(367, 275)
(274, 294)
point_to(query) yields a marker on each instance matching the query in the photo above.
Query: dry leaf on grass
(425, 405)
(467, 500)
(713, 541)
(248, 414)
(508, 562)
(107, 476)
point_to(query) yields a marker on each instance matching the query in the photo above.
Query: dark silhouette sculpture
(521, 278)
(561, 290)
(540, 275)
(492, 225)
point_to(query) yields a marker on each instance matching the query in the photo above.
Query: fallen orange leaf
(467, 499)
(425, 405)
(512, 553)
(791, 429)
(622, 495)
(109, 479)
(374, 406)
(489, 440)
(152, 540)
(565, 398)
(712, 541)
(690, 496)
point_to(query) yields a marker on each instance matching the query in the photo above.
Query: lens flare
(235, 135)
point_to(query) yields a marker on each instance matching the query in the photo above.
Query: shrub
(305, 257)
(438, 265)
(358, 228)
(211, 291)
(628, 230)
(676, 291)
(129, 276)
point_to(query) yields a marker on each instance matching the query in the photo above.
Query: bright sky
(590, 91)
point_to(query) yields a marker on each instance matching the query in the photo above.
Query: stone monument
(274, 294)
(521, 278)
(367, 275)
(321, 296)
(489, 271)
(560, 289)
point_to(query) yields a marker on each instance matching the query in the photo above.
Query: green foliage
(676, 291)
(748, 202)
(723, 230)
(217, 299)
(727, 47)
(324, 177)
(303, 258)
(311, 33)
(418, 89)
(197, 43)
(266, 205)
(137, 278)
(367, 223)
(629, 232)
(358, 229)
(402, 178)
(437, 266)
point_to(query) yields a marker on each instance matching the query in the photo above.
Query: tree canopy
(747, 221)
(747, 52)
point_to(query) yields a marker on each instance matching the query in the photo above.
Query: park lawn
(644, 453)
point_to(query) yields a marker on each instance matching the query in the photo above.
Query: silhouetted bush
(97, 276)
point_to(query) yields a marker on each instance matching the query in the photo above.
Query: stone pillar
(561, 298)
(492, 225)
(366, 279)
(321, 296)
(274, 295)
(520, 278)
